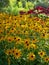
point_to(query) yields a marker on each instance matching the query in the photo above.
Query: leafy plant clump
(24, 40)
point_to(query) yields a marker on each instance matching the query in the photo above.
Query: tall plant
(12, 7)
(23, 5)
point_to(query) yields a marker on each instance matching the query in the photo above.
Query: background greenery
(14, 6)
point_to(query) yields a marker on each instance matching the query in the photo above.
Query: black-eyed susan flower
(18, 39)
(34, 40)
(27, 43)
(17, 53)
(32, 45)
(31, 56)
(46, 59)
(8, 52)
(12, 30)
(15, 38)
(9, 38)
(2, 38)
(1, 32)
(42, 53)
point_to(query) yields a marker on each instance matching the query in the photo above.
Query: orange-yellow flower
(31, 56)
(33, 46)
(8, 52)
(17, 53)
(42, 53)
(46, 59)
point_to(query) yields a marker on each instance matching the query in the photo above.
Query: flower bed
(24, 40)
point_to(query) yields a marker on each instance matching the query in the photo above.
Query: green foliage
(43, 16)
(14, 6)
(3, 3)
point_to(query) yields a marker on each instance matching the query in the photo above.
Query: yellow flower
(42, 35)
(46, 59)
(17, 53)
(1, 31)
(46, 35)
(33, 46)
(9, 38)
(12, 30)
(2, 38)
(31, 56)
(42, 54)
(34, 40)
(18, 39)
(27, 43)
(8, 52)
(26, 32)
(14, 17)
(47, 19)
(23, 26)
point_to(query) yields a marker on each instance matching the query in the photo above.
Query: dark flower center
(9, 52)
(18, 39)
(15, 38)
(32, 56)
(47, 59)
(27, 44)
(43, 34)
(26, 41)
(41, 53)
(16, 53)
(9, 39)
